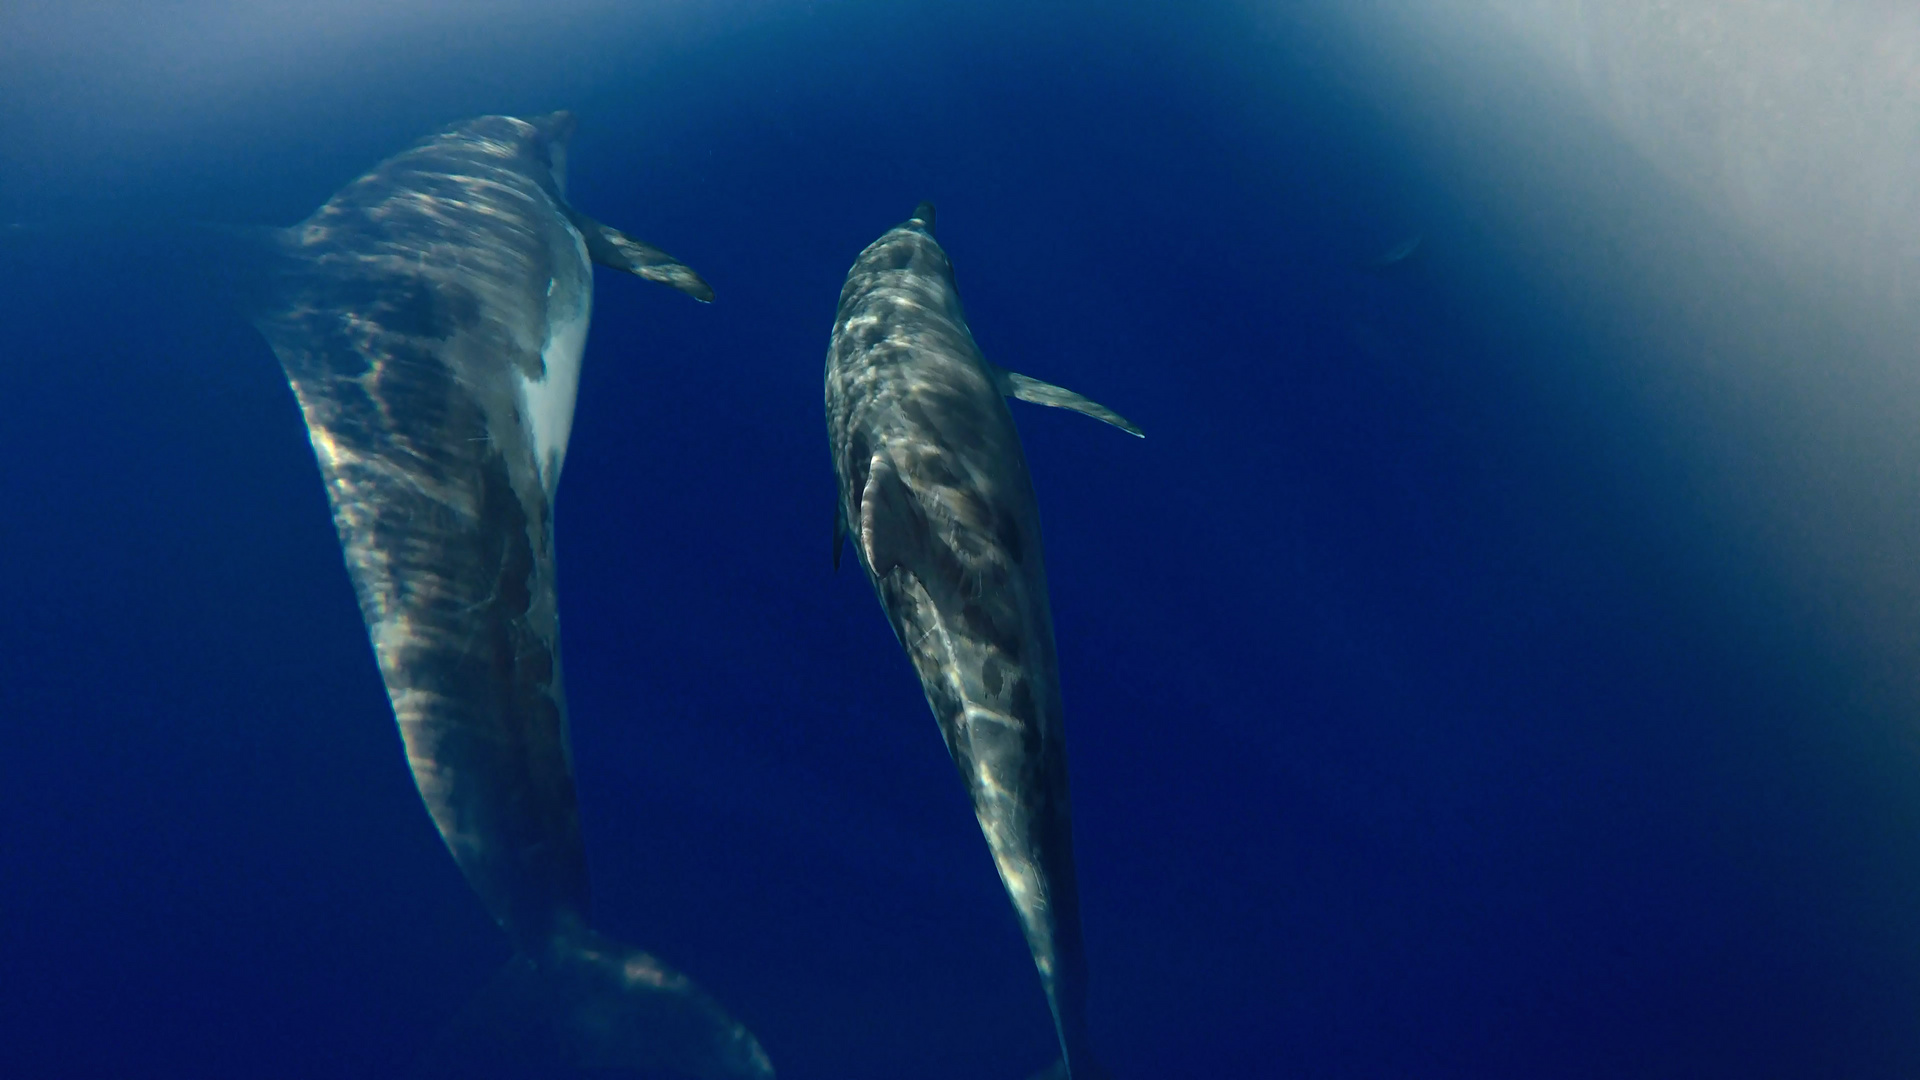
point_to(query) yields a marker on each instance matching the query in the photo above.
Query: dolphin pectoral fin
(609, 246)
(594, 1004)
(1026, 388)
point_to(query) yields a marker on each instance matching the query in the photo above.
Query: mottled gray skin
(935, 492)
(430, 318)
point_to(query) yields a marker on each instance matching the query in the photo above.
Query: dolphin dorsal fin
(609, 246)
(1026, 388)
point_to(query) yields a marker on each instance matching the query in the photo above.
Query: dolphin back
(423, 317)
(398, 349)
(935, 494)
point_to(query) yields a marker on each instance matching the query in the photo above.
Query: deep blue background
(1433, 711)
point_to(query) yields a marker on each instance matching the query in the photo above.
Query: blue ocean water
(1490, 664)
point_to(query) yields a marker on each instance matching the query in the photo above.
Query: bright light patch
(548, 401)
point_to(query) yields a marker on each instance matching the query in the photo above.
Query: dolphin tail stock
(1026, 388)
(609, 246)
(595, 1005)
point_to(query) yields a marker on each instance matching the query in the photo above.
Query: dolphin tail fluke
(594, 1005)
(609, 246)
(1026, 388)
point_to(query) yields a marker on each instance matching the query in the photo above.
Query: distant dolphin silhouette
(935, 490)
(431, 318)
(1392, 258)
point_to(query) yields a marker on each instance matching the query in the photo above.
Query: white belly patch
(547, 402)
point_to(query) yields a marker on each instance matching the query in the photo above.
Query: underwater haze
(1501, 658)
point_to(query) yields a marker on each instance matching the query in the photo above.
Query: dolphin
(1394, 256)
(430, 318)
(935, 491)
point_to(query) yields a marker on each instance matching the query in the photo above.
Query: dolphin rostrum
(431, 318)
(935, 491)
